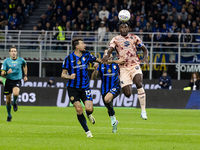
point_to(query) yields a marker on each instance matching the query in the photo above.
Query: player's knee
(138, 85)
(15, 94)
(79, 110)
(127, 94)
(107, 100)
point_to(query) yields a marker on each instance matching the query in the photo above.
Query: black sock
(110, 108)
(89, 112)
(82, 120)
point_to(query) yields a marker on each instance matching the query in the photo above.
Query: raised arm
(64, 75)
(95, 72)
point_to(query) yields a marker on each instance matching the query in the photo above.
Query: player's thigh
(16, 91)
(78, 107)
(74, 94)
(125, 77)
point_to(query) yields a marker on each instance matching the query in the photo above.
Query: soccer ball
(124, 15)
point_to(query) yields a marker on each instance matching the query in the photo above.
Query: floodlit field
(53, 128)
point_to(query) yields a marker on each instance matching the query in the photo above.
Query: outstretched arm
(120, 61)
(107, 55)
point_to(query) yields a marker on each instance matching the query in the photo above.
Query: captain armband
(140, 45)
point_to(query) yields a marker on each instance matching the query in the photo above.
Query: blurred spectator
(4, 4)
(93, 14)
(12, 6)
(124, 5)
(34, 38)
(101, 31)
(58, 13)
(60, 36)
(165, 81)
(112, 14)
(68, 13)
(183, 14)
(158, 38)
(142, 22)
(13, 22)
(169, 39)
(20, 15)
(51, 82)
(194, 81)
(103, 13)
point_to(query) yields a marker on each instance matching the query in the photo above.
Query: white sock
(143, 111)
(113, 119)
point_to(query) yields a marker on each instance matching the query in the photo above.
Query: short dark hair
(75, 42)
(122, 22)
(13, 46)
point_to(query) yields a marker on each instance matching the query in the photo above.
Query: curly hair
(122, 22)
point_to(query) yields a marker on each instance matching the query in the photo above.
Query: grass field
(53, 128)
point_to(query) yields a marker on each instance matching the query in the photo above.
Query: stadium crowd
(14, 13)
(160, 16)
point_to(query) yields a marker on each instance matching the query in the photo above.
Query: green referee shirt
(16, 66)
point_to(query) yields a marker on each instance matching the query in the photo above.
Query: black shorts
(79, 94)
(114, 91)
(10, 84)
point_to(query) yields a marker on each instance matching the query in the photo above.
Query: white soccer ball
(124, 15)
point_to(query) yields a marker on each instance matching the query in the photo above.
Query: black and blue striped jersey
(109, 76)
(78, 65)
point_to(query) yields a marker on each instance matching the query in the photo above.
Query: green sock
(15, 99)
(9, 110)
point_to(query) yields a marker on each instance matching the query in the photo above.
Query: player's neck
(78, 53)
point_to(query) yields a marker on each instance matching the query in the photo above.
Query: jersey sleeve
(65, 64)
(92, 58)
(23, 62)
(4, 66)
(112, 43)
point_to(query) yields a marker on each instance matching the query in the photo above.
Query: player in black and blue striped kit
(75, 70)
(110, 88)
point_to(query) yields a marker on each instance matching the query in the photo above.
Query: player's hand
(161, 83)
(121, 61)
(96, 66)
(9, 71)
(73, 76)
(25, 78)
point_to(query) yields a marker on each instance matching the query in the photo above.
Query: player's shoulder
(132, 35)
(86, 53)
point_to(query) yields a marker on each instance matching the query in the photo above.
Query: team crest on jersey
(136, 67)
(79, 62)
(83, 58)
(72, 98)
(114, 66)
(109, 70)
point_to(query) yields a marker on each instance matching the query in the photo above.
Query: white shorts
(127, 75)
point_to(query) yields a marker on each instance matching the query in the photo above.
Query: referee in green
(12, 68)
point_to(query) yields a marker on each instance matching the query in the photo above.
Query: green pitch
(53, 128)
